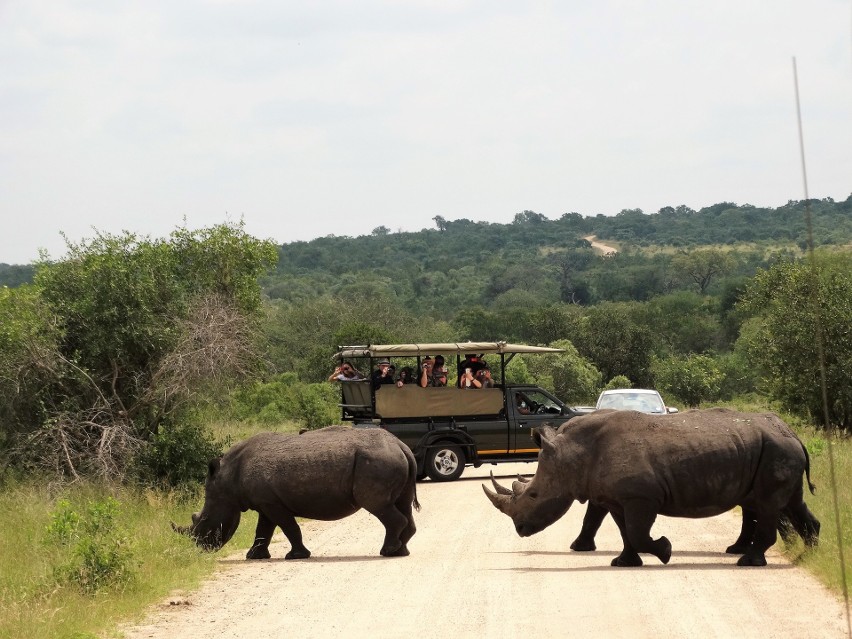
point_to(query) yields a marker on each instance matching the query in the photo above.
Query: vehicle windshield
(643, 402)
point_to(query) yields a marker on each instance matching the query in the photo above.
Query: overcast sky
(306, 119)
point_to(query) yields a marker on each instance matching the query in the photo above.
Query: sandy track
(470, 575)
(604, 249)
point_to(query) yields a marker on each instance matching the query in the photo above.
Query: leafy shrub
(570, 376)
(99, 553)
(738, 377)
(317, 405)
(178, 454)
(619, 381)
(791, 305)
(517, 372)
(692, 379)
(286, 398)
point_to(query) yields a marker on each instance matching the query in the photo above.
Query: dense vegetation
(126, 339)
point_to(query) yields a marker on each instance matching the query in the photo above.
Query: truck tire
(444, 462)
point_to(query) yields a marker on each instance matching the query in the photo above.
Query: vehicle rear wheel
(444, 462)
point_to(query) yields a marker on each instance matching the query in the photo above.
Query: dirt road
(470, 575)
(604, 249)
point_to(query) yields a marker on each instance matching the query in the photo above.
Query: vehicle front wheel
(444, 462)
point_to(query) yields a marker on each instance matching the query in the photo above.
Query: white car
(641, 399)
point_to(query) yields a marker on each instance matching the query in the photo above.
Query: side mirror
(671, 410)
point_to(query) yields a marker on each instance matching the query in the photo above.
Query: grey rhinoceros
(697, 463)
(326, 474)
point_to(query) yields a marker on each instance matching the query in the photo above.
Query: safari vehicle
(449, 428)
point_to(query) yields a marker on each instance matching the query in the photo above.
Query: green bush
(98, 552)
(619, 381)
(573, 379)
(286, 398)
(178, 454)
(317, 403)
(692, 379)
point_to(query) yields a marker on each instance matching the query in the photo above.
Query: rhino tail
(412, 474)
(811, 485)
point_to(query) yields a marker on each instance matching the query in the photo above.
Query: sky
(306, 119)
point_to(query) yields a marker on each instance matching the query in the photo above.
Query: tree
(685, 321)
(440, 222)
(792, 305)
(612, 337)
(691, 378)
(701, 266)
(29, 360)
(573, 379)
(143, 329)
(529, 217)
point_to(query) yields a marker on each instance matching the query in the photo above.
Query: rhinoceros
(697, 463)
(595, 515)
(326, 474)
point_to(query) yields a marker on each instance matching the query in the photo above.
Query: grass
(35, 604)
(825, 561)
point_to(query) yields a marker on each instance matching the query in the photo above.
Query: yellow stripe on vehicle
(503, 452)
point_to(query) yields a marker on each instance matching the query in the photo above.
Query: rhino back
(696, 463)
(319, 474)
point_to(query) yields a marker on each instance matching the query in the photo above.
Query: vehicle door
(531, 407)
(492, 435)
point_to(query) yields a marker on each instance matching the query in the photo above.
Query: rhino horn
(500, 501)
(501, 490)
(518, 487)
(523, 479)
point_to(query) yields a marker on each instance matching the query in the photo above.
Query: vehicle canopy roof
(443, 348)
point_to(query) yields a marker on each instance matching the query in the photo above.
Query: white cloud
(310, 119)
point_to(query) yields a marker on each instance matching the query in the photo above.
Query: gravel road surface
(470, 575)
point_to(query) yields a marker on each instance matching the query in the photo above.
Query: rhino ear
(213, 466)
(544, 436)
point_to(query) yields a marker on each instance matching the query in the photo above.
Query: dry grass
(832, 505)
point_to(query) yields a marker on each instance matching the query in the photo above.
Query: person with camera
(345, 373)
(483, 376)
(433, 372)
(469, 367)
(382, 375)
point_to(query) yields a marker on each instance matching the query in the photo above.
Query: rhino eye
(533, 494)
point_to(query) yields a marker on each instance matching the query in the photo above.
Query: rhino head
(535, 504)
(218, 520)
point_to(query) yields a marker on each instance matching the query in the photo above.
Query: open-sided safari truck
(448, 428)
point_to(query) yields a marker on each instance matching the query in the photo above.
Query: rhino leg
(802, 520)
(628, 557)
(293, 533)
(262, 536)
(638, 517)
(749, 525)
(764, 537)
(592, 521)
(397, 526)
(405, 506)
